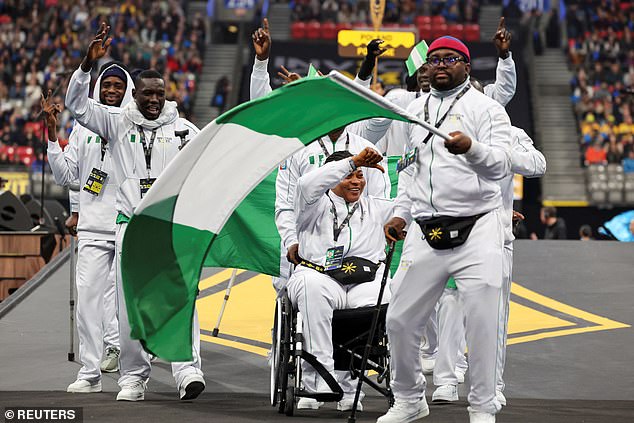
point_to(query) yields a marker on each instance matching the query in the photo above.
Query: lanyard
(103, 150)
(336, 229)
(325, 150)
(147, 149)
(442, 119)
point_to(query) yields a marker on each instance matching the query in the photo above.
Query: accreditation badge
(96, 181)
(407, 159)
(334, 258)
(145, 185)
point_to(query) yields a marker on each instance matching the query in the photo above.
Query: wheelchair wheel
(289, 407)
(275, 359)
(285, 367)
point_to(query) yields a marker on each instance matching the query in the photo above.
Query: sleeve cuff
(82, 76)
(403, 214)
(261, 65)
(54, 146)
(476, 153)
(508, 60)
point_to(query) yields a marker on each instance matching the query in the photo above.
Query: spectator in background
(615, 150)
(585, 233)
(595, 154)
(555, 226)
(628, 163)
(40, 44)
(221, 93)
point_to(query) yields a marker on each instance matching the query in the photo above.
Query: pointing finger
(501, 24)
(265, 24)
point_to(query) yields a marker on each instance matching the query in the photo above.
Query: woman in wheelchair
(342, 244)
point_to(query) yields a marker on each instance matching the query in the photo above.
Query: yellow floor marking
(234, 344)
(526, 319)
(602, 323)
(249, 314)
(217, 278)
(249, 311)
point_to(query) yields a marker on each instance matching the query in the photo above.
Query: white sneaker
(445, 393)
(82, 386)
(110, 362)
(479, 417)
(309, 404)
(193, 384)
(500, 397)
(132, 391)
(428, 365)
(346, 404)
(405, 411)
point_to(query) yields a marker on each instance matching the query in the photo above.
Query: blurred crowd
(43, 41)
(601, 51)
(396, 11)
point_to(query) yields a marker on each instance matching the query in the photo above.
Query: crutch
(224, 301)
(375, 323)
(71, 302)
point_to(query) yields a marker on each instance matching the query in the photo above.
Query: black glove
(374, 51)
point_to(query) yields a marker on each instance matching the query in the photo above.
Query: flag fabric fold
(417, 57)
(180, 220)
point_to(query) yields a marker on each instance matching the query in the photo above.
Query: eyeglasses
(447, 61)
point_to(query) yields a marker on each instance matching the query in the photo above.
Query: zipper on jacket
(431, 162)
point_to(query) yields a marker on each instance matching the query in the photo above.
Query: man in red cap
(454, 197)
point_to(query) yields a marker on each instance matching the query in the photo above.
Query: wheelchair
(350, 331)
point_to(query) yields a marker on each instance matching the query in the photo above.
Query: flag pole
(377, 10)
(224, 301)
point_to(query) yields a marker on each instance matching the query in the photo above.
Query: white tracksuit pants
(477, 267)
(316, 296)
(96, 308)
(451, 349)
(110, 320)
(504, 314)
(134, 362)
(451, 339)
(429, 343)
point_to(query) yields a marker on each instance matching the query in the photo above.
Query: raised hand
(97, 48)
(50, 110)
(262, 41)
(374, 49)
(368, 157)
(502, 40)
(288, 76)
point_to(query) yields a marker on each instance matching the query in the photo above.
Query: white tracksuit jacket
(457, 185)
(120, 127)
(362, 237)
(83, 153)
(527, 161)
(393, 139)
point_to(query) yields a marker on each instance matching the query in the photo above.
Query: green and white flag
(417, 57)
(312, 72)
(187, 215)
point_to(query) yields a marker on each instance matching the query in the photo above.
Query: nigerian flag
(184, 217)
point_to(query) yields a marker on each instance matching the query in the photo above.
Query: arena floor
(569, 359)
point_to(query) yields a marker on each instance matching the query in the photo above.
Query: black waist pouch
(445, 232)
(354, 270)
